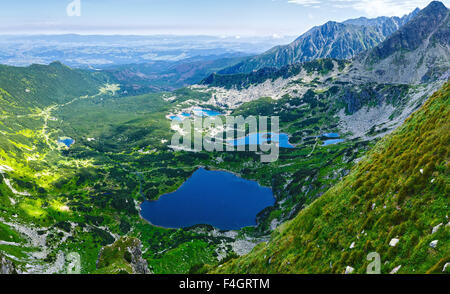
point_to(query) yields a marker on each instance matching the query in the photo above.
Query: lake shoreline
(201, 210)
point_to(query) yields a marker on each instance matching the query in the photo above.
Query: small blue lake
(334, 138)
(261, 138)
(331, 135)
(332, 142)
(175, 117)
(68, 142)
(216, 198)
(205, 112)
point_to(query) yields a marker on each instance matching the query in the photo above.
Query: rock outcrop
(6, 266)
(124, 256)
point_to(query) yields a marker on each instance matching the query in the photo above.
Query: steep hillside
(28, 96)
(395, 202)
(243, 81)
(331, 40)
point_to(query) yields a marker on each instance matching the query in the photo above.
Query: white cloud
(305, 2)
(371, 8)
(375, 8)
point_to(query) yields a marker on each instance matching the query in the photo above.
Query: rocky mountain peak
(418, 52)
(427, 22)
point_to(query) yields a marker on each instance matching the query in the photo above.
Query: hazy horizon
(233, 18)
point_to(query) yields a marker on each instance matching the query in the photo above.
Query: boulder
(434, 243)
(6, 266)
(394, 242)
(445, 267)
(436, 228)
(396, 269)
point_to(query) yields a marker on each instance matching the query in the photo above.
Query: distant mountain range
(331, 40)
(157, 76)
(103, 51)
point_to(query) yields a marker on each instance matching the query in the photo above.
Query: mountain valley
(368, 121)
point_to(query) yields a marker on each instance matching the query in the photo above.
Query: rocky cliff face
(430, 22)
(331, 40)
(418, 52)
(6, 266)
(138, 263)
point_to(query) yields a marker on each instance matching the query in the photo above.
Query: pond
(331, 139)
(332, 142)
(67, 141)
(216, 198)
(205, 112)
(260, 138)
(197, 112)
(175, 117)
(331, 135)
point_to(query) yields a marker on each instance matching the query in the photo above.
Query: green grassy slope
(28, 98)
(43, 85)
(400, 190)
(32, 164)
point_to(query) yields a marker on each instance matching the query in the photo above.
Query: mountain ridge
(418, 52)
(339, 40)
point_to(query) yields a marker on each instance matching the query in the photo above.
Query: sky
(189, 17)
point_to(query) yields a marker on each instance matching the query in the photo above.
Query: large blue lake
(216, 198)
